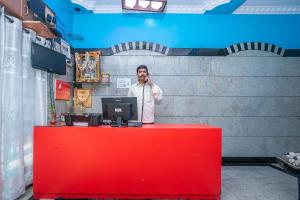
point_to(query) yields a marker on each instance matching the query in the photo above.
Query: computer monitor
(119, 110)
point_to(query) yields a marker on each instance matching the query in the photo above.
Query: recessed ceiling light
(156, 5)
(144, 4)
(130, 3)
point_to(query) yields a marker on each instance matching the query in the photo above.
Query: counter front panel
(153, 161)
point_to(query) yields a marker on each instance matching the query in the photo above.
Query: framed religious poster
(88, 67)
(83, 98)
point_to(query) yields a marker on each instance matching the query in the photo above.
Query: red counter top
(144, 126)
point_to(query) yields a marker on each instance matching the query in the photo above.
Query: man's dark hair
(142, 67)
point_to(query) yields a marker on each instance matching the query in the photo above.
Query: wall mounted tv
(46, 59)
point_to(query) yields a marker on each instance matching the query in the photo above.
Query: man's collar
(138, 83)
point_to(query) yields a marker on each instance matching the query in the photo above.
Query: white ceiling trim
(195, 9)
(269, 7)
(192, 7)
(268, 10)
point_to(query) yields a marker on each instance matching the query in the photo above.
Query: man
(147, 93)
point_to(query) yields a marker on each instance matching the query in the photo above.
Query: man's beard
(142, 77)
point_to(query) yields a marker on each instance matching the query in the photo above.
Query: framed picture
(88, 66)
(65, 48)
(62, 90)
(83, 97)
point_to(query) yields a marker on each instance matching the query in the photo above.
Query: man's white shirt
(151, 94)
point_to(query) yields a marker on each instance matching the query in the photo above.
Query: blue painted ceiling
(214, 25)
(201, 6)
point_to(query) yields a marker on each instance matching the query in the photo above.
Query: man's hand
(148, 81)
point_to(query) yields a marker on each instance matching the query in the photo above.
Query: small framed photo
(62, 90)
(65, 48)
(83, 97)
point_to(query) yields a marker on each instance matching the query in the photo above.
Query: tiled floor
(251, 183)
(257, 183)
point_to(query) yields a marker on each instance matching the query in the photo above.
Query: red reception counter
(153, 161)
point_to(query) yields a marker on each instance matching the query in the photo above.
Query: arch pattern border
(140, 45)
(261, 46)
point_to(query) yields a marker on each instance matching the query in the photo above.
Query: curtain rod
(11, 20)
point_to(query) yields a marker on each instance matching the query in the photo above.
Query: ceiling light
(130, 3)
(144, 5)
(156, 5)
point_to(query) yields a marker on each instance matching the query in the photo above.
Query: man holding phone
(147, 93)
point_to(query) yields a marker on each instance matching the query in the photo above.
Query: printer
(87, 119)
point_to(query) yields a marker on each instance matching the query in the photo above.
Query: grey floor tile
(257, 182)
(227, 195)
(281, 190)
(248, 183)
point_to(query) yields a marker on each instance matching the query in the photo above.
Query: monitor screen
(121, 108)
(47, 59)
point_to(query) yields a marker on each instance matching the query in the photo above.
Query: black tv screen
(46, 59)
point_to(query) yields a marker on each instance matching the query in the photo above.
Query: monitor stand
(119, 123)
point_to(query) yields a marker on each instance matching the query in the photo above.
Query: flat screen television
(47, 59)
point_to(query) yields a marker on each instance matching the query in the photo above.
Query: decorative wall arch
(261, 46)
(140, 45)
(164, 50)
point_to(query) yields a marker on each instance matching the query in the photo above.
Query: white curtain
(34, 101)
(1, 64)
(23, 94)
